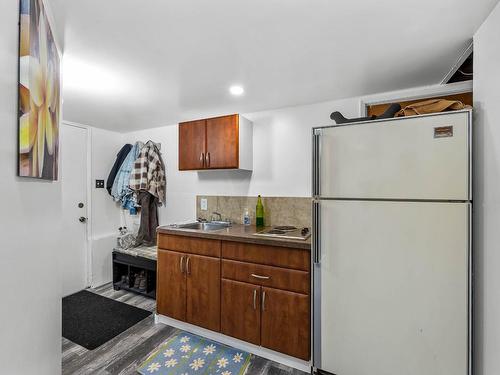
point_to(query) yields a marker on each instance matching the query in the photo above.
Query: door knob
(80, 205)
(82, 219)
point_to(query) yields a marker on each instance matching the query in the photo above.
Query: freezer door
(394, 282)
(423, 157)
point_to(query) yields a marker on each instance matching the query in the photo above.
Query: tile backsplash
(277, 210)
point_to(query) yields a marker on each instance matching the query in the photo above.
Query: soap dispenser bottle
(259, 213)
(246, 216)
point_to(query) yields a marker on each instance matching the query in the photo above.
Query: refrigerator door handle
(315, 162)
(316, 243)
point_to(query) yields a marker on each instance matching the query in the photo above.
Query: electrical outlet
(203, 204)
(99, 184)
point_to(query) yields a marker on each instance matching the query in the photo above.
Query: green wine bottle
(259, 213)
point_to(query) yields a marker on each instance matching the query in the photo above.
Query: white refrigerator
(392, 246)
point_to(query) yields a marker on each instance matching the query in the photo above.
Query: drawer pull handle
(263, 300)
(255, 299)
(260, 277)
(188, 266)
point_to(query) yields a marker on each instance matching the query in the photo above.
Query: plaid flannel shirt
(148, 173)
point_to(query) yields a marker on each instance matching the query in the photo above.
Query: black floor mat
(90, 320)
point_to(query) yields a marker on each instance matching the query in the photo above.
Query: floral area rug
(188, 354)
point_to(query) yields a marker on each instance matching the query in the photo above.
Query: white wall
(282, 153)
(104, 218)
(281, 164)
(487, 196)
(30, 311)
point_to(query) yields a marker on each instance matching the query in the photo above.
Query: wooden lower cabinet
(240, 311)
(171, 285)
(188, 288)
(203, 291)
(258, 294)
(285, 322)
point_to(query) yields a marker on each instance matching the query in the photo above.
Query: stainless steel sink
(209, 226)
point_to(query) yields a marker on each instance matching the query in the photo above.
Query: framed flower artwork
(39, 93)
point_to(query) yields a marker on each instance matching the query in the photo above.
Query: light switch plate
(203, 204)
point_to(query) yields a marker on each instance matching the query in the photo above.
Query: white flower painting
(155, 366)
(169, 353)
(209, 349)
(222, 362)
(197, 364)
(171, 363)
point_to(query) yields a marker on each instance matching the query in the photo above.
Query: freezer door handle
(315, 162)
(316, 242)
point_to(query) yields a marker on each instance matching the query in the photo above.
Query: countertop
(238, 233)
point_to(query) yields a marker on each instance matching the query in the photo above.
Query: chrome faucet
(218, 214)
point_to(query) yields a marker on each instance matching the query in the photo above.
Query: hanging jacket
(148, 173)
(122, 154)
(120, 190)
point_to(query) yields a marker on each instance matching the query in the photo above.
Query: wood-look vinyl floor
(125, 352)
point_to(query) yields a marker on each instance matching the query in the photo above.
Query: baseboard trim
(239, 344)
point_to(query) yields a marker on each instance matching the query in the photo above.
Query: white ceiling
(135, 64)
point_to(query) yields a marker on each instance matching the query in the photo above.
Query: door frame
(88, 189)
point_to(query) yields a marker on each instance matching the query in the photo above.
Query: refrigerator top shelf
(466, 111)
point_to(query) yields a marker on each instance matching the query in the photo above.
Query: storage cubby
(130, 266)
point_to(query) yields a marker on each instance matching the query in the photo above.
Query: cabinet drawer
(275, 277)
(184, 244)
(267, 255)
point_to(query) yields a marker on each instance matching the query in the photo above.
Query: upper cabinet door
(192, 145)
(222, 142)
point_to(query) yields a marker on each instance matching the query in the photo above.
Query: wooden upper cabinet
(217, 143)
(192, 145)
(222, 142)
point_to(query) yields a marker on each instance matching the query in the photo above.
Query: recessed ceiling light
(236, 90)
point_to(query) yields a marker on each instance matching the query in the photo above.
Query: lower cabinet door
(171, 284)
(203, 291)
(286, 322)
(240, 310)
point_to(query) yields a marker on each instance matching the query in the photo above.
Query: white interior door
(411, 158)
(394, 288)
(74, 256)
